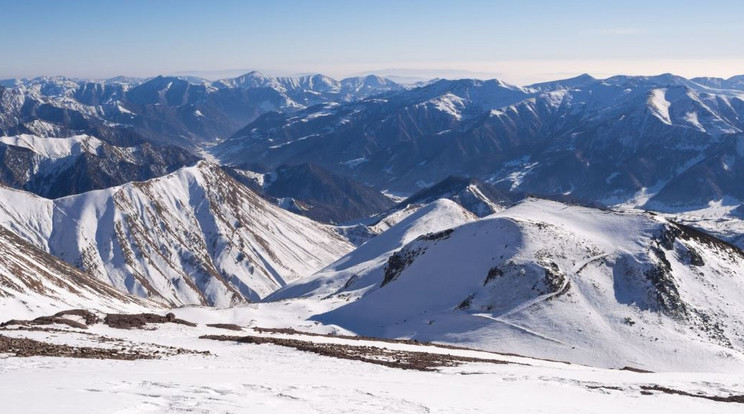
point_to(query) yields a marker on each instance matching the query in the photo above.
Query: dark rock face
(718, 175)
(129, 321)
(15, 163)
(92, 93)
(398, 262)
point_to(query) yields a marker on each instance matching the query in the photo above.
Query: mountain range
(616, 140)
(596, 221)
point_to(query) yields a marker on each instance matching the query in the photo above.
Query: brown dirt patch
(24, 347)
(139, 320)
(228, 326)
(648, 390)
(421, 361)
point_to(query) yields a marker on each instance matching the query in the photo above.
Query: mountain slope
(33, 283)
(317, 193)
(560, 282)
(351, 271)
(57, 167)
(192, 237)
(165, 110)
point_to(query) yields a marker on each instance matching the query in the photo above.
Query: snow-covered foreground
(239, 377)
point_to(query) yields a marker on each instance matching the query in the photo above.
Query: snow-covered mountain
(734, 82)
(621, 140)
(47, 107)
(35, 283)
(195, 236)
(170, 110)
(315, 89)
(347, 273)
(548, 280)
(57, 167)
(614, 140)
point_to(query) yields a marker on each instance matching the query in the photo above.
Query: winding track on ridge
(577, 268)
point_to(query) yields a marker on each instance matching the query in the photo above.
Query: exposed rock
(125, 321)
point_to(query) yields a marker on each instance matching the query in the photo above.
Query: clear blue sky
(519, 41)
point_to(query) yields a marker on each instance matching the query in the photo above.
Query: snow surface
(275, 379)
(660, 105)
(585, 320)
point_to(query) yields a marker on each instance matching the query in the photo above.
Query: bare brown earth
(139, 320)
(421, 361)
(228, 326)
(120, 349)
(24, 347)
(649, 389)
(291, 331)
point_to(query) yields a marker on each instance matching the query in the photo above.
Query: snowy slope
(479, 198)
(352, 271)
(194, 236)
(54, 148)
(555, 281)
(34, 283)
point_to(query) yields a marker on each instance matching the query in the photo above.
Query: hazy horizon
(517, 42)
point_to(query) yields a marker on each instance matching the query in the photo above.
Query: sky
(519, 41)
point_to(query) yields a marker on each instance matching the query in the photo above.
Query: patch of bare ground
(24, 347)
(228, 326)
(114, 320)
(139, 320)
(59, 318)
(112, 348)
(638, 370)
(291, 331)
(650, 389)
(415, 360)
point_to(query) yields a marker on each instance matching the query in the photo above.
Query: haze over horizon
(518, 42)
